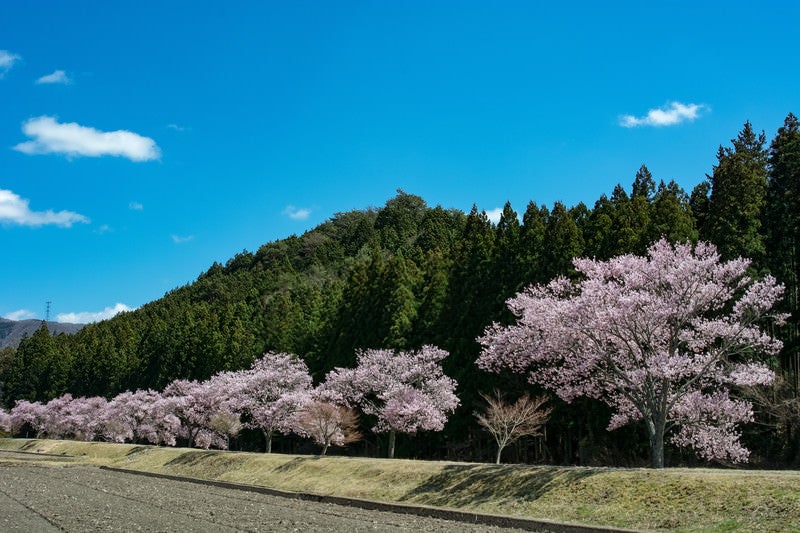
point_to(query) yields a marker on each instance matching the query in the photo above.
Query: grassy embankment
(670, 499)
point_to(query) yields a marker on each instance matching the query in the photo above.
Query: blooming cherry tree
(406, 391)
(82, 418)
(142, 415)
(195, 404)
(30, 414)
(661, 339)
(271, 393)
(5, 421)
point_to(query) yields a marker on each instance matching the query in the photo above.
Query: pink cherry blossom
(648, 336)
(406, 391)
(270, 393)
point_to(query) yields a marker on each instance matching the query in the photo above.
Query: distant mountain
(12, 331)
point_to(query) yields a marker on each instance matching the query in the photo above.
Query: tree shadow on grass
(295, 463)
(461, 485)
(193, 458)
(205, 464)
(137, 449)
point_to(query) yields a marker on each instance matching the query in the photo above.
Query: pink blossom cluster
(407, 392)
(655, 337)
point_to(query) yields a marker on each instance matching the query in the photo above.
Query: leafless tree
(508, 422)
(328, 424)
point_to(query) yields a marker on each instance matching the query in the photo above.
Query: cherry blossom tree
(32, 415)
(661, 339)
(195, 404)
(82, 418)
(406, 391)
(271, 393)
(508, 422)
(5, 421)
(56, 411)
(140, 416)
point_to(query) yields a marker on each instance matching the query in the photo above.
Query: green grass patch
(667, 500)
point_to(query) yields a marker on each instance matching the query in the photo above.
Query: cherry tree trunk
(656, 431)
(268, 441)
(392, 438)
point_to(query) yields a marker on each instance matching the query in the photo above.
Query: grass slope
(670, 499)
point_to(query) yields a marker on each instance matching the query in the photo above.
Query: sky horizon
(141, 143)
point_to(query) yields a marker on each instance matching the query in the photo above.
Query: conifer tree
(782, 224)
(564, 241)
(738, 193)
(507, 272)
(534, 222)
(671, 216)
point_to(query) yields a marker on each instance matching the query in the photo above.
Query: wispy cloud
(175, 127)
(671, 114)
(7, 60)
(296, 213)
(86, 317)
(178, 239)
(494, 214)
(135, 206)
(57, 77)
(22, 314)
(15, 210)
(52, 137)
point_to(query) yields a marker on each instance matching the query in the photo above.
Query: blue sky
(142, 141)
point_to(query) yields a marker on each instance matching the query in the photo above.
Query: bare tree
(508, 422)
(327, 424)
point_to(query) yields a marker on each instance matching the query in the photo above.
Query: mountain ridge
(13, 331)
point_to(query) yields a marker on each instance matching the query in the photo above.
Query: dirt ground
(35, 498)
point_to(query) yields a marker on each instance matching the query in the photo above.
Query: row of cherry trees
(404, 392)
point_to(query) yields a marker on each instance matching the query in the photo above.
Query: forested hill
(409, 274)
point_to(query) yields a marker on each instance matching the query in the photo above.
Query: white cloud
(494, 214)
(15, 210)
(177, 239)
(671, 114)
(7, 60)
(85, 317)
(135, 206)
(50, 136)
(22, 314)
(296, 214)
(59, 76)
(176, 127)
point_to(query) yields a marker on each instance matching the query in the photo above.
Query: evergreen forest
(408, 274)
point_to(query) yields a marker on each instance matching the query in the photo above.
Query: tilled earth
(82, 498)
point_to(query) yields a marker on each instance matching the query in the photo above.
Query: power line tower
(47, 313)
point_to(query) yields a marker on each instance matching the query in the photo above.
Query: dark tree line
(408, 274)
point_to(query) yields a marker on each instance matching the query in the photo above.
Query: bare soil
(84, 498)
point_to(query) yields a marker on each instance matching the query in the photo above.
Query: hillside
(12, 331)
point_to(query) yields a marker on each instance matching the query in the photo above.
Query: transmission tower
(47, 313)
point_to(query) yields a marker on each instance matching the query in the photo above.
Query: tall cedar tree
(782, 223)
(738, 194)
